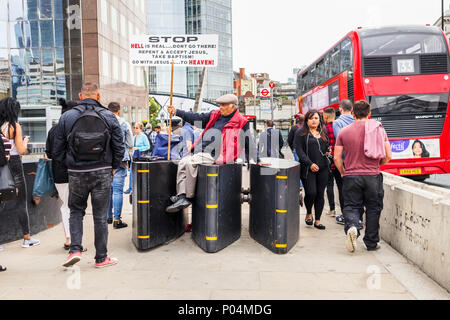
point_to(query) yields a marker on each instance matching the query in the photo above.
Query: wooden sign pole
(170, 116)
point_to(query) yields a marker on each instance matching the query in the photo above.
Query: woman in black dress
(312, 147)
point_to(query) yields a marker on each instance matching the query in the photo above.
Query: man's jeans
(359, 192)
(98, 185)
(116, 200)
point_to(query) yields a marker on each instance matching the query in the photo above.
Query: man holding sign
(226, 133)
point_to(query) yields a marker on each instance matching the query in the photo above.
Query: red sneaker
(73, 258)
(108, 262)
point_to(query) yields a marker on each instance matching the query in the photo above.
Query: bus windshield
(403, 44)
(409, 104)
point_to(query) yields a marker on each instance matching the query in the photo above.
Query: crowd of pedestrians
(348, 151)
(92, 148)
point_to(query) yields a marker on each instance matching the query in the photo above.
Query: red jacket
(231, 145)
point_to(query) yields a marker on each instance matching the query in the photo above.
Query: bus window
(320, 67)
(335, 61)
(346, 54)
(400, 43)
(327, 67)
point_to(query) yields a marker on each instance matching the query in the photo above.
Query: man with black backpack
(89, 140)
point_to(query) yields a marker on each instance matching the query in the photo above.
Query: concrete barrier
(43, 216)
(416, 222)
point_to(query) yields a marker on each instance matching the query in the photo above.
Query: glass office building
(166, 17)
(193, 17)
(40, 59)
(211, 17)
(40, 50)
(49, 47)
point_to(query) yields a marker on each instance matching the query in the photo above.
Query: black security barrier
(43, 216)
(153, 184)
(216, 211)
(274, 204)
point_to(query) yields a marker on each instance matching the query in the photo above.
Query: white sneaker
(352, 234)
(30, 243)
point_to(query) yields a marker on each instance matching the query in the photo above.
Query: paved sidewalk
(318, 267)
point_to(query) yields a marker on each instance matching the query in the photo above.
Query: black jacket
(59, 169)
(114, 154)
(291, 136)
(306, 156)
(276, 140)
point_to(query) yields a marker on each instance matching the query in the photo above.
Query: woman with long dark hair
(419, 150)
(12, 131)
(60, 173)
(312, 147)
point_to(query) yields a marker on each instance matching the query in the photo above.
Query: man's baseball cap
(227, 99)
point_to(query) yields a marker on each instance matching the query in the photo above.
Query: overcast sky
(275, 36)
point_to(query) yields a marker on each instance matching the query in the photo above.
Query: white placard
(200, 50)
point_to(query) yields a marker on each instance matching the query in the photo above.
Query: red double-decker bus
(403, 72)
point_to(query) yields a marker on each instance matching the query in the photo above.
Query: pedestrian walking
(60, 174)
(270, 142)
(141, 145)
(312, 147)
(366, 147)
(116, 199)
(12, 135)
(89, 138)
(345, 119)
(329, 116)
(299, 121)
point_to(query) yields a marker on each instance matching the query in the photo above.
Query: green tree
(154, 108)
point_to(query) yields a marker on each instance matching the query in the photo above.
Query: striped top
(7, 145)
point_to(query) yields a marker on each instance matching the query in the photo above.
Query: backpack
(89, 137)
(374, 140)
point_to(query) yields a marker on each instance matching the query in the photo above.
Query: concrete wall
(416, 222)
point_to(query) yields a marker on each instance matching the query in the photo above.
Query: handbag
(8, 190)
(43, 183)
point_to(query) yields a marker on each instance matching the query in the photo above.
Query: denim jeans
(116, 199)
(98, 185)
(297, 159)
(16, 167)
(359, 192)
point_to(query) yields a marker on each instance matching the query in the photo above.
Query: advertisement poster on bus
(419, 148)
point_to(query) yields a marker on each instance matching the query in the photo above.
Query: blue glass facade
(166, 17)
(211, 17)
(193, 17)
(40, 50)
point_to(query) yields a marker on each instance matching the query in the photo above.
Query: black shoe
(320, 226)
(181, 204)
(174, 198)
(119, 224)
(340, 220)
(109, 220)
(374, 249)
